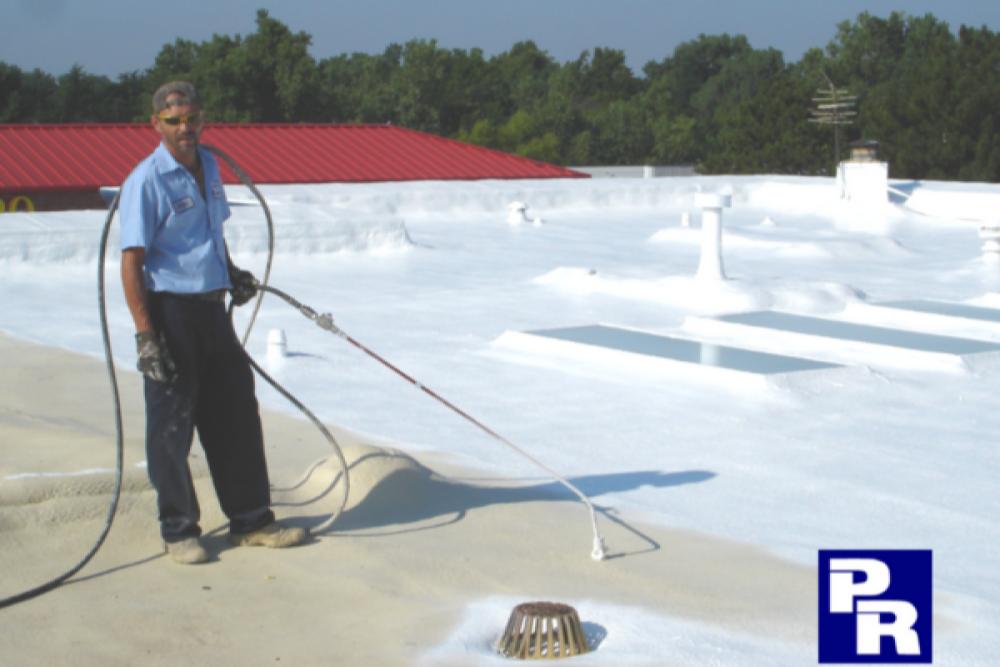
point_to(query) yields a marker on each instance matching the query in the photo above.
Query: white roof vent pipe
(277, 347)
(517, 214)
(711, 205)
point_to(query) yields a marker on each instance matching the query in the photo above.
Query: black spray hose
(324, 321)
(119, 438)
(262, 284)
(262, 287)
(319, 425)
(248, 182)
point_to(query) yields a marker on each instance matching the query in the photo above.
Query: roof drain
(543, 630)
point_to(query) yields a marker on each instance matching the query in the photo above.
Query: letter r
(843, 588)
(871, 629)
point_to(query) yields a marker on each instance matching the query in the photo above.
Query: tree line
(930, 96)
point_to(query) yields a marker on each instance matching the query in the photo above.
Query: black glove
(154, 358)
(244, 285)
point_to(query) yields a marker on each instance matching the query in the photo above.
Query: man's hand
(154, 358)
(244, 285)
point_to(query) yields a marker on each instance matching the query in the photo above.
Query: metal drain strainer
(540, 630)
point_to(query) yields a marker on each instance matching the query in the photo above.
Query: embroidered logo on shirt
(217, 190)
(182, 205)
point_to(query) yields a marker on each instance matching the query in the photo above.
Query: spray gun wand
(325, 321)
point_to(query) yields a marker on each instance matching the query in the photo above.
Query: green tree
(38, 98)
(604, 77)
(579, 152)
(483, 133)
(82, 97)
(174, 61)
(421, 84)
(11, 79)
(673, 140)
(867, 51)
(769, 133)
(976, 96)
(267, 77)
(128, 100)
(359, 88)
(518, 130)
(544, 148)
(524, 73)
(907, 71)
(220, 71)
(620, 134)
(276, 73)
(690, 67)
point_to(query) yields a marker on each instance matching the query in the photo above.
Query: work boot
(272, 535)
(187, 551)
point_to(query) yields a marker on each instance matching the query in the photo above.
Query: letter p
(844, 589)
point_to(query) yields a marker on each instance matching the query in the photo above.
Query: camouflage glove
(244, 285)
(154, 358)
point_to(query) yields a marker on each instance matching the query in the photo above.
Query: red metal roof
(41, 157)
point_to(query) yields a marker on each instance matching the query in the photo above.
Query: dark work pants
(212, 394)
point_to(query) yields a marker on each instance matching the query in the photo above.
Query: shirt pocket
(181, 205)
(187, 219)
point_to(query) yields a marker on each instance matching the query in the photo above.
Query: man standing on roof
(176, 270)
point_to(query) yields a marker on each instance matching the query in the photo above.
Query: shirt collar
(166, 162)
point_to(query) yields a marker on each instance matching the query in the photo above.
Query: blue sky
(114, 36)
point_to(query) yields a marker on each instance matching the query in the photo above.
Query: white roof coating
(429, 275)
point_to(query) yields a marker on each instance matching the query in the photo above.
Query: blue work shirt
(162, 210)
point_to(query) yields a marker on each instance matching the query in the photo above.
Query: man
(175, 272)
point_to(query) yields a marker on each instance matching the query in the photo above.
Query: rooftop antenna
(834, 106)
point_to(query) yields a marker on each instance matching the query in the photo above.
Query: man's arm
(154, 357)
(134, 284)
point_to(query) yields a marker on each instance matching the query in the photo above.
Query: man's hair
(182, 88)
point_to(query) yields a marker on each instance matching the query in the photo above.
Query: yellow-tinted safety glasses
(188, 119)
